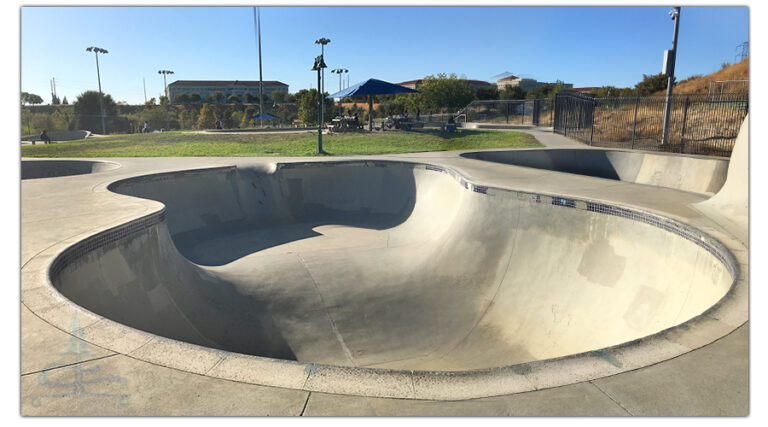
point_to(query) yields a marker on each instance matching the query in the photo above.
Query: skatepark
(461, 283)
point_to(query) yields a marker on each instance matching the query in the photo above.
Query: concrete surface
(304, 250)
(33, 169)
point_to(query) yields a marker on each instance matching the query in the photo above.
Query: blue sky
(586, 46)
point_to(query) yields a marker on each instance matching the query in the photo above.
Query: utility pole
(143, 80)
(168, 98)
(669, 69)
(257, 18)
(97, 51)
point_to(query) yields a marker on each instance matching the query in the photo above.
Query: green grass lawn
(182, 144)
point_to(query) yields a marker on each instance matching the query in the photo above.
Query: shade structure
(369, 88)
(267, 116)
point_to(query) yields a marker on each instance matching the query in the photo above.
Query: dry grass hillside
(738, 71)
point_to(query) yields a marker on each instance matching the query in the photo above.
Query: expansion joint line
(612, 399)
(335, 330)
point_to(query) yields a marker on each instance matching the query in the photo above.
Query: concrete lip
(35, 169)
(729, 309)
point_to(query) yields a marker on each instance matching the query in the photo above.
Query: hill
(700, 84)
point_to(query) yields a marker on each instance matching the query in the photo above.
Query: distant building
(475, 84)
(585, 89)
(206, 88)
(526, 84)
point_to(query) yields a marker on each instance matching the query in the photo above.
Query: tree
(194, 98)
(246, 121)
(233, 99)
(651, 84)
(218, 97)
(277, 96)
(181, 98)
(308, 107)
(55, 100)
(445, 91)
(30, 98)
(512, 92)
(88, 111)
(209, 99)
(250, 98)
(152, 101)
(64, 101)
(207, 118)
(163, 100)
(490, 92)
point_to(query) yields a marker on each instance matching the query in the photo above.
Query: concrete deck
(62, 373)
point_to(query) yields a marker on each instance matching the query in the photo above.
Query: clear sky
(586, 46)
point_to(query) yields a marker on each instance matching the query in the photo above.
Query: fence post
(522, 115)
(592, 128)
(634, 123)
(682, 131)
(565, 126)
(507, 104)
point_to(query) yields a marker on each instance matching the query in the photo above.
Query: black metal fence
(698, 124)
(536, 112)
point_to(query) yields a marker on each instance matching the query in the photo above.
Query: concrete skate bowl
(33, 169)
(698, 174)
(393, 279)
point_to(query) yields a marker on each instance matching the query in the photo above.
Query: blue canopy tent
(368, 88)
(267, 116)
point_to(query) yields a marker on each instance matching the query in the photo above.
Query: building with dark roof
(239, 88)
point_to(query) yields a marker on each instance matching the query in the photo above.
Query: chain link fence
(535, 112)
(698, 124)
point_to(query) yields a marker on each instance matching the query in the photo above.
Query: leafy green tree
(250, 98)
(209, 99)
(64, 101)
(651, 84)
(308, 107)
(181, 98)
(30, 98)
(233, 99)
(490, 92)
(207, 118)
(55, 100)
(512, 92)
(246, 121)
(194, 97)
(151, 101)
(218, 97)
(163, 100)
(277, 96)
(445, 91)
(88, 112)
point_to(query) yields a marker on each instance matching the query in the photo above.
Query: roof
(509, 78)
(226, 83)
(371, 87)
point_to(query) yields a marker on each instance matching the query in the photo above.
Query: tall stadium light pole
(168, 96)
(339, 71)
(97, 51)
(257, 18)
(670, 71)
(322, 42)
(319, 67)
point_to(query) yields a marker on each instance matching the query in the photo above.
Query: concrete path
(55, 380)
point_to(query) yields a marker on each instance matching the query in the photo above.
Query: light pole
(322, 41)
(319, 66)
(167, 96)
(669, 70)
(97, 51)
(339, 71)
